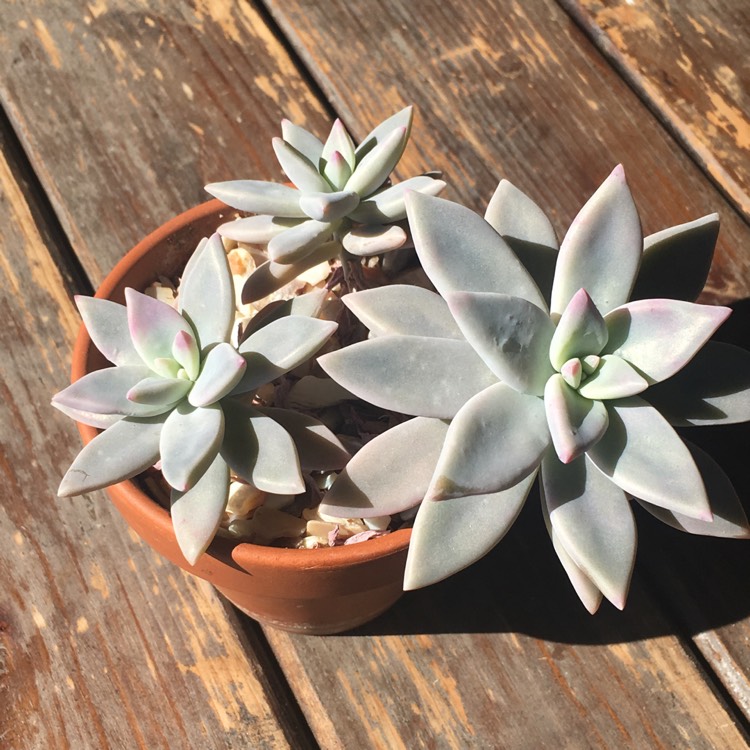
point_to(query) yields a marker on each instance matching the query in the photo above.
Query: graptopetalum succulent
(180, 394)
(340, 201)
(534, 361)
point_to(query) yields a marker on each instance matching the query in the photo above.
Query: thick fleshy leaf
(189, 443)
(450, 535)
(511, 335)
(329, 206)
(461, 252)
(587, 591)
(729, 521)
(309, 304)
(258, 230)
(299, 169)
(260, 451)
(159, 391)
(196, 514)
(594, 522)
(123, 450)
(676, 261)
(373, 168)
(426, 377)
(107, 324)
(303, 140)
(388, 205)
(317, 447)
(575, 423)
(339, 141)
(371, 240)
(401, 119)
(660, 337)
(206, 296)
(602, 249)
(186, 354)
(513, 214)
(613, 378)
(388, 475)
(271, 276)
(153, 326)
(105, 392)
(713, 388)
(298, 242)
(100, 421)
(281, 346)
(258, 197)
(644, 456)
(222, 370)
(337, 171)
(496, 439)
(581, 331)
(403, 309)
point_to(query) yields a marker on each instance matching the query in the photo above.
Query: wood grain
(688, 60)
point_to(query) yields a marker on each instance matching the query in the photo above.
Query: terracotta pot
(308, 591)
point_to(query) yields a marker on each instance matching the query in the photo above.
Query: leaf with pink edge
(339, 140)
(402, 119)
(581, 331)
(186, 354)
(107, 325)
(164, 392)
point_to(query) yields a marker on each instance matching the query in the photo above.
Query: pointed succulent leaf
(105, 392)
(575, 423)
(387, 475)
(613, 378)
(329, 206)
(270, 276)
(713, 388)
(461, 252)
(388, 205)
(317, 447)
(572, 372)
(189, 443)
(186, 354)
(511, 335)
(586, 589)
(416, 375)
(581, 331)
(373, 168)
(401, 119)
(162, 392)
(279, 347)
(258, 197)
(309, 305)
(303, 140)
(729, 521)
(259, 229)
(123, 450)
(207, 294)
(403, 309)
(299, 169)
(512, 213)
(298, 242)
(494, 441)
(594, 521)
(107, 325)
(222, 370)
(339, 141)
(196, 514)
(372, 240)
(153, 326)
(644, 456)
(100, 421)
(602, 249)
(260, 451)
(660, 337)
(337, 170)
(474, 525)
(676, 261)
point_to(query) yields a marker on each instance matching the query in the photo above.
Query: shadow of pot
(307, 591)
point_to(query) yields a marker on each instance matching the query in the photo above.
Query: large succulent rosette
(571, 364)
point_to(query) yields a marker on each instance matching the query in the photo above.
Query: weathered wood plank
(689, 62)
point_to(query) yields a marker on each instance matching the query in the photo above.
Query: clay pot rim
(244, 553)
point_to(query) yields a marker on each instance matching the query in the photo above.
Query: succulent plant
(535, 361)
(340, 201)
(178, 395)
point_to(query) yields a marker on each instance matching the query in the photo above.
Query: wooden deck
(115, 114)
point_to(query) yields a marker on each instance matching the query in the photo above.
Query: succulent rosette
(172, 397)
(538, 360)
(340, 200)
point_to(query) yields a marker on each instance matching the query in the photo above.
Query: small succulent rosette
(533, 361)
(180, 395)
(340, 201)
